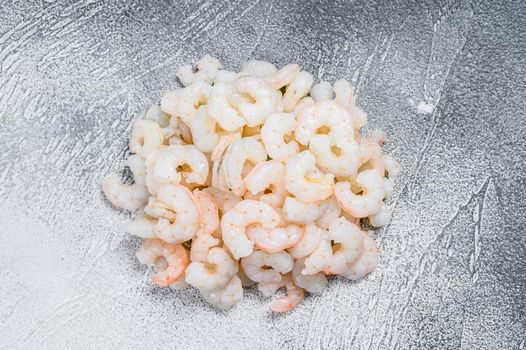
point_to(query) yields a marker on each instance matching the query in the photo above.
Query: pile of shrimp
(257, 177)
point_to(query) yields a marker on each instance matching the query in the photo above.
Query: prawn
(209, 218)
(128, 197)
(266, 267)
(294, 296)
(349, 244)
(366, 263)
(267, 100)
(298, 88)
(214, 273)
(272, 240)
(365, 204)
(273, 133)
(146, 136)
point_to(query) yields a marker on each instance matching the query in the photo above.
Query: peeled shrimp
(207, 68)
(272, 240)
(220, 109)
(209, 218)
(141, 226)
(157, 209)
(311, 283)
(201, 246)
(267, 100)
(204, 131)
(329, 211)
(183, 203)
(226, 297)
(235, 221)
(324, 114)
(349, 240)
(283, 77)
(266, 267)
(295, 210)
(298, 88)
(344, 93)
(321, 91)
(381, 218)
(170, 260)
(321, 258)
(258, 68)
(264, 176)
(136, 164)
(239, 152)
(345, 163)
(367, 203)
(304, 180)
(170, 101)
(269, 288)
(218, 269)
(294, 296)
(278, 126)
(308, 243)
(129, 197)
(366, 263)
(145, 137)
(192, 98)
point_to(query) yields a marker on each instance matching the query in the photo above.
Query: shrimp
(245, 281)
(224, 200)
(269, 288)
(381, 218)
(169, 260)
(298, 88)
(209, 212)
(321, 91)
(283, 77)
(272, 240)
(141, 226)
(193, 97)
(235, 221)
(302, 104)
(267, 175)
(220, 109)
(366, 263)
(217, 157)
(344, 94)
(329, 211)
(266, 267)
(136, 164)
(218, 269)
(308, 243)
(297, 211)
(348, 247)
(184, 132)
(239, 152)
(201, 246)
(321, 258)
(157, 209)
(305, 181)
(146, 136)
(267, 101)
(258, 68)
(207, 68)
(156, 114)
(204, 132)
(225, 298)
(365, 204)
(163, 166)
(128, 197)
(325, 114)
(182, 202)
(170, 101)
(311, 283)
(344, 163)
(294, 296)
(273, 133)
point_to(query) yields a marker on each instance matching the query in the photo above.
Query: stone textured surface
(445, 79)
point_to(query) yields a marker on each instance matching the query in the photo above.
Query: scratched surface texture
(445, 79)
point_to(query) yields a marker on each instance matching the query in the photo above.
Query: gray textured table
(445, 79)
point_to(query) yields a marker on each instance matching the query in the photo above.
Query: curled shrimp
(316, 117)
(349, 244)
(258, 68)
(311, 283)
(266, 267)
(136, 164)
(321, 91)
(192, 98)
(294, 296)
(267, 176)
(217, 157)
(272, 240)
(266, 100)
(344, 94)
(146, 136)
(304, 180)
(320, 259)
(170, 260)
(329, 211)
(207, 68)
(381, 218)
(298, 88)
(221, 111)
(201, 246)
(283, 77)
(128, 197)
(343, 163)
(295, 210)
(308, 243)
(170, 101)
(366, 263)
(157, 209)
(236, 220)
(269, 288)
(204, 131)
(240, 151)
(214, 273)
(364, 204)
(141, 226)
(209, 218)
(226, 297)
(273, 133)
(181, 201)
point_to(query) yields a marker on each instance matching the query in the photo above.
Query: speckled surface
(453, 270)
